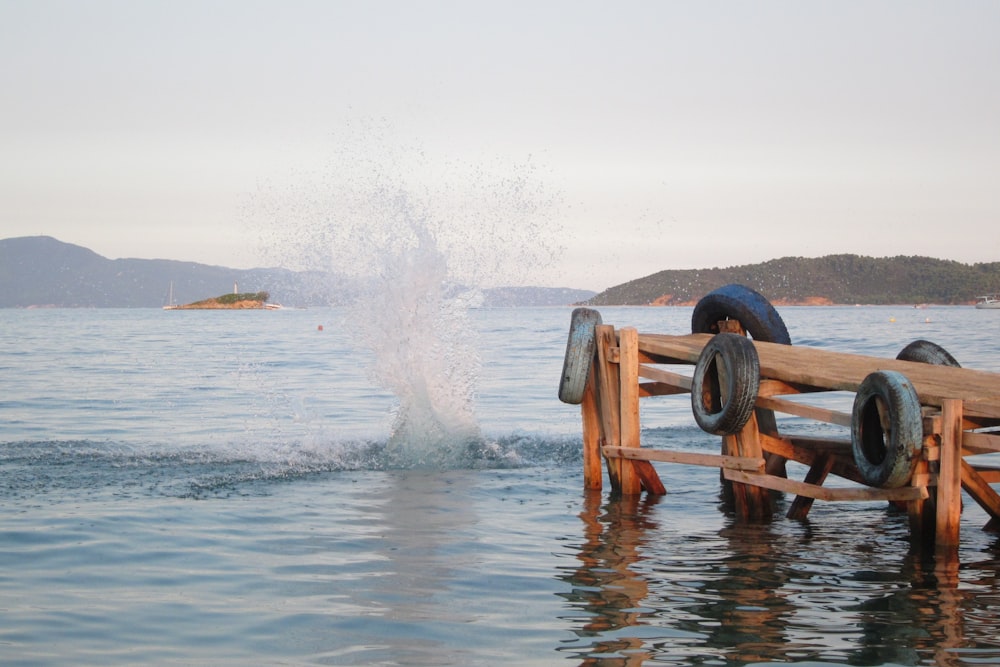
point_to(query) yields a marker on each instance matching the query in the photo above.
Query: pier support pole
(613, 412)
(922, 511)
(593, 471)
(628, 395)
(609, 399)
(638, 475)
(949, 491)
(753, 503)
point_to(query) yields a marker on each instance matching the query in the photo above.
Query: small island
(234, 301)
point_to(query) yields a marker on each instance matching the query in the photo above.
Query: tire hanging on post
(887, 434)
(725, 384)
(926, 352)
(580, 348)
(738, 302)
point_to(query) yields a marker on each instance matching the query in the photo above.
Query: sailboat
(170, 299)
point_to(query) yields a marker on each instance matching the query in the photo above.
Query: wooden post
(949, 492)
(628, 374)
(637, 474)
(593, 472)
(752, 502)
(817, 474)
(921, 511)
(608, 398)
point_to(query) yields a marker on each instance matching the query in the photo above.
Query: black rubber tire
(580, 349)
(738, 302)
(926, 352)
(887, 434)
(725, 384)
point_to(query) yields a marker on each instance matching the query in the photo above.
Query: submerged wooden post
(949, 491)
(593, 471)
(752, 502)
(921, 511)
(638, 475)
(628, 394)
(608, 397)
(817, 474)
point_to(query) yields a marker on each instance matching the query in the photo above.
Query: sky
(584, 143)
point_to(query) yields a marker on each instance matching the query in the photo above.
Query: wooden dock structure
(917, 426)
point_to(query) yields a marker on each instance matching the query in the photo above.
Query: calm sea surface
(222, 488)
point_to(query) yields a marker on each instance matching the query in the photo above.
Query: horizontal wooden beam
(800, 410)
(825, 493)
(688, 458)
(682, 382)
(980, 443)
(647, 389)
(772, 387)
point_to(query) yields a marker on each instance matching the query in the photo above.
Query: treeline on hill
(229, 299)
(842, 279)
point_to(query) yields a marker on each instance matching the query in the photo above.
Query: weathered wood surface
(840, 371)
(752, 464)
(642, 473)
(960, 410)
(822, 492)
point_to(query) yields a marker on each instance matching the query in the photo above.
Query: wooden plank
(824, 493)
(976, 486)
(806, 450)
(647, 389)
(681, 382)
(772, 387)
(949, 490)
(801, 410)
(842, 371)
(688, 458)
(980, 443)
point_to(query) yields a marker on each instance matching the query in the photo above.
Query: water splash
(412, 241)
(423, 344)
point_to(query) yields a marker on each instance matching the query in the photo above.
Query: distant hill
(40, 271)
(843, 279)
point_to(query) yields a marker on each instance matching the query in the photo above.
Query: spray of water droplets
(412, 239)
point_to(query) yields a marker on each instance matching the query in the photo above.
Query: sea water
(226, 488)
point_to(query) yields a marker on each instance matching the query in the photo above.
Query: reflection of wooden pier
(916, 425)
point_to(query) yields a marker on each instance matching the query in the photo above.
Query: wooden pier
(917, 426)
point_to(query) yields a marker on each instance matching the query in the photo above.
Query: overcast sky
(652, 135)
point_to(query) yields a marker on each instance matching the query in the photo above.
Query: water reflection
(605, 585)
(402, 594)
(647, 589)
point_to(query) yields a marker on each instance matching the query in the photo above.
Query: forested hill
(840, 279)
